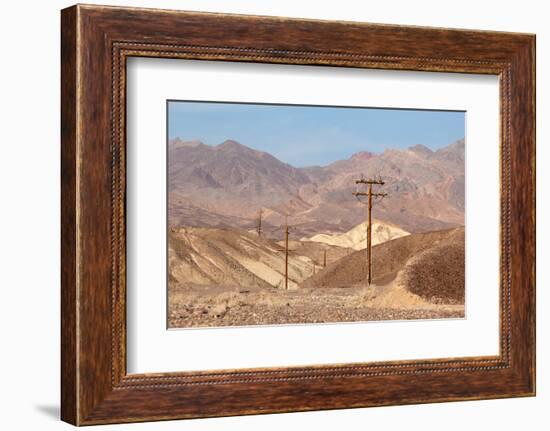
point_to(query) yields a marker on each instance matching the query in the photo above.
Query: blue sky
(310, 135)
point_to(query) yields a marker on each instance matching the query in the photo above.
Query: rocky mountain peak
(180, 143)
(363, 155)
(231, 144)
(421, 150)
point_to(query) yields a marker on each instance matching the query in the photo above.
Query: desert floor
(227, 306)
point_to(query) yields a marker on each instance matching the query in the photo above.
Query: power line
(369, 194)
(259, 222)
(286, 252)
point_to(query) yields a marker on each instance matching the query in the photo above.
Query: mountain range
(228, 184)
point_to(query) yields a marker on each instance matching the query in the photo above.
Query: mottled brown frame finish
(95, 43)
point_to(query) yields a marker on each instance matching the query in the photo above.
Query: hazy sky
(306, 135)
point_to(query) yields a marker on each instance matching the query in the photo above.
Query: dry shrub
(437, 274)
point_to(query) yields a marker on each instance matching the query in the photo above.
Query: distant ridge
(232, 181)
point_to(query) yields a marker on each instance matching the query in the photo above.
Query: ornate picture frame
(96, 41)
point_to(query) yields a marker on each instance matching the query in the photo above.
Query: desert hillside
(230, 257)
(224, 277)
(356, 238)
(317, 251)
(429, 265)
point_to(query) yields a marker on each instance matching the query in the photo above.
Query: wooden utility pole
(369, 194)
(286, 253)
(324, 259)
(260, 222)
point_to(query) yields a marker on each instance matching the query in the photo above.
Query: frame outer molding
(69, 329)
(95, 42)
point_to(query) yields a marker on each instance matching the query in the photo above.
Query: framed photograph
(264, 214)
(306, 226)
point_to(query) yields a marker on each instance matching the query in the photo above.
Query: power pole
(286, 253)
(260, 222)
(324, 259)
(369, 195)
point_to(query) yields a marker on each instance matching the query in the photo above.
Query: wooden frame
(96, 41)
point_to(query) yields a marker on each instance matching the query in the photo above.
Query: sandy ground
(231, 306)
